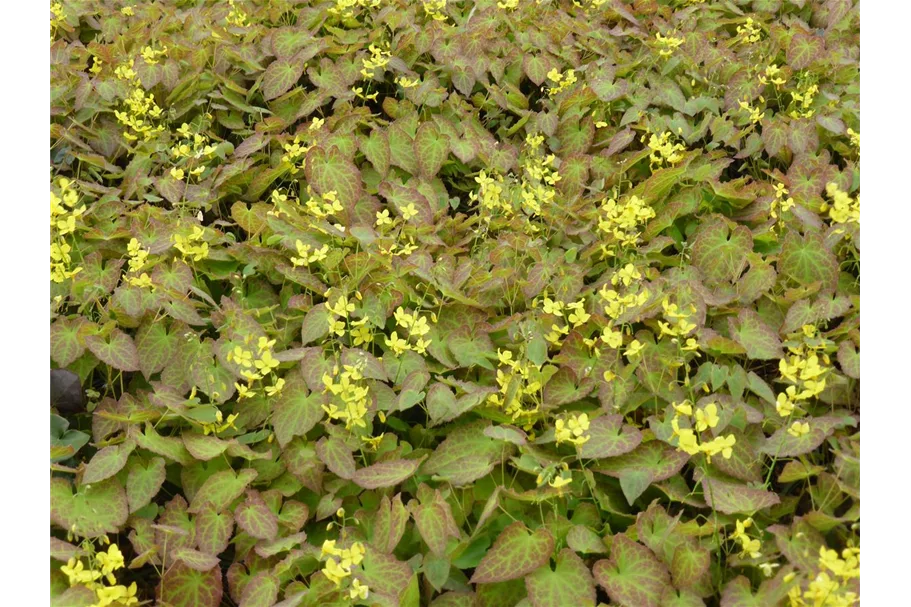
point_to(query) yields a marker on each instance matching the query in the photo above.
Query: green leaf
(280, 76)
(295, 411)
(221, 489)
(328, 170)
(376, 149)
(166, 446)
(144, 481)
(806, 260)
(610, 437)
(719, 251)
(386, 576)
(182, 586)
(337, 456)
(564, 388)
(116, 350)
(649, 463)
(536, 68)
(254, 517)
(386, 474)
(107, 462)
(261, 591)
(286, 41)
(515, 553)
(570, 583)
(751, 332)
(632, 576)
(213, 530)
(92, 511)
(431, 148)
(77, 596)
(849, 359)
(472, 348)
(389, 525)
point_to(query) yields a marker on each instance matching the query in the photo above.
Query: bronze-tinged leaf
(182, 586)
(570, 583)
(515, 553)
(632, 576)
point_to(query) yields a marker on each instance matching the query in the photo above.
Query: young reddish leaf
(733, 498)
(221, 489)
(751, 332)
(719, 251)
(66, 345)
(564, 388)
(204, 447)
(431, 148)
(144, 481)
(515, 553)
(280, 76)
(536, 68)
(387, 474)
(386, 576)
(465, 456)
(261, 591)
(849, 359)
(570, 584)
(803, 50)
(182, 586)
(286, 41)
(376, 149)
(303, 464)
(632, 576)
(436, 524)
(213, 530)
(90, 512)
(155, 346)
(610, 437)
(196, 560)
(690, 563)
(107, 462)
(295, 411)
(807, 260)
(389, 524)
(76, 596)
(255, 518)
(116, 350)
(328, 170)
(337, 456)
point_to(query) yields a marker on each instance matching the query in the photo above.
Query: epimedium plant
(453, 303)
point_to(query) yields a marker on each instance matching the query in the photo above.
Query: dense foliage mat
(495, 303)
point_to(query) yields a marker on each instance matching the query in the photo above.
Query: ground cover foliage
(375, 302)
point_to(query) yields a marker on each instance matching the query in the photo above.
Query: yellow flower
(382, 218)
(553, 307)
(634, 348)
(276, 389)
(266, 363)
(244, 391)
(707, 417)
(397, 344)
(358, 590)
(799, 429)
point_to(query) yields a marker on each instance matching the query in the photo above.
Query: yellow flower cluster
(434, 9)
(379, 57)
(64, 214)
(255, 368)
(623, 220)
(192, 153)
(561, 81)
(345, 8)
(575, 315)
(688, 439)
(782, 202)
(339, 316)
(296, 154)
(555, 475)
(829, 588)
(668, 44)
(799, 429)
(220, 424)
(802, 101)
(349, 394)
(572, 429)
(192, 246)
(521, 379)
(137, 257)
(615, 305)
(772, 74)
(416, 327)
(323, 206)
(490, 193)
(749, 32)
(854, 137)
(151, 56)
(140, 110)
(101, 568)
(308, 255)
(536, 187)
(756, 114)
(665, 149)
(236, 17)
(339, 565)
(407, 83)
(802, 369)
(844, 209)
(678, 324)
(508, 5)
(749, 547)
